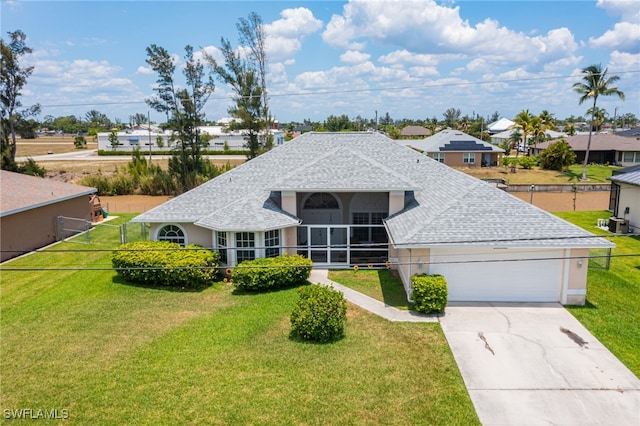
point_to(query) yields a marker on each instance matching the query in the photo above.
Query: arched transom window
(172, 233)
(321, 200)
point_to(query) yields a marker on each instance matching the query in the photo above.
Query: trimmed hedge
(319, 314)
(272, 272)
(162, 263)
(429, 293)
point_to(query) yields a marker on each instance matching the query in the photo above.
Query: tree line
(244, 71)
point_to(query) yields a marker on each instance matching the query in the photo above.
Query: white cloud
(628, 10)
(285, 35)
(428, 28)
(622, 61)
(624, 36)
(354, 57)
(144, 70)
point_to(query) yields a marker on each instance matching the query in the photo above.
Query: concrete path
(368, 303)
(526, 363)
(529, 364)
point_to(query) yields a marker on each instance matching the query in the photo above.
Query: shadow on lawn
(393, 293)
(117, 279)
(587, 306)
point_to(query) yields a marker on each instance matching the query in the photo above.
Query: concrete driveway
(534, 363)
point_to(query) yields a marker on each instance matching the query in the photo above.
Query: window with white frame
(272, 243)
(246, 246)
(438, 156)
(359, 234)
(172, 233)
(468, 157)
(628, 157)
(221, 239)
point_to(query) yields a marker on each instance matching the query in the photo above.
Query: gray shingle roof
(450, 207)
(20, 192)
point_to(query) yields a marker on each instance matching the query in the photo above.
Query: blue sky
(412, 59)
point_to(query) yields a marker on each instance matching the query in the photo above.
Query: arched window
(321, 200)
(172, 233)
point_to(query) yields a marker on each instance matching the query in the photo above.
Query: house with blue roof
(346, 199)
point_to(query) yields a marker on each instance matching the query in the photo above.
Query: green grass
(113, 353)
(612, 311)
(595, 173)
(382, 285)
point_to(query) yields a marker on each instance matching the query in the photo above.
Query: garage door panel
(500, 275)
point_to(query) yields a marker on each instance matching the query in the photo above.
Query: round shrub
(429, 293)
(272, 272)
(319, 315)
(162, 263)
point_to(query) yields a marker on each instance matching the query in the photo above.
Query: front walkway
(370, 304)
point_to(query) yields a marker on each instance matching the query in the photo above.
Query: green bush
(272, 272)
(558, 156)
(161, 263)
(158, 182)
(528, 162)
(100, 181)
(429, 293)
(319, 314)
(30, 167)
(123, 184)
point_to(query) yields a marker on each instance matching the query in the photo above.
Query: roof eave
(48, 203)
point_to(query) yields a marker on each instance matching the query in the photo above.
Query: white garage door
(500, 275)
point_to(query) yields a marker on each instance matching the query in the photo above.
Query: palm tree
(599, 117)
(594, 83)
(523, 122)
(547, 120)
(538, 131)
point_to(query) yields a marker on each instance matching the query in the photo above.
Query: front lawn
(381, 284)
(612, 311)
(113, 353)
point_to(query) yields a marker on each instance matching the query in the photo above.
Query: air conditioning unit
(618, 225)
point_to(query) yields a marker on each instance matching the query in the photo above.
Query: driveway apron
(534, 363)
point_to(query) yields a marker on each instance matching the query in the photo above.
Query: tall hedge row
(162, 263)
(271, 273)
(429, 293)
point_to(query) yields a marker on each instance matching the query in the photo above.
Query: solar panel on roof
(465, 146)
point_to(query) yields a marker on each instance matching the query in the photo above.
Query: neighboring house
(414, 132)
(344, 199)
(500, 125)
(604, 149)
(501, 138)
(457, 149)
(29, 207)
(147, 141)
(625, 196)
